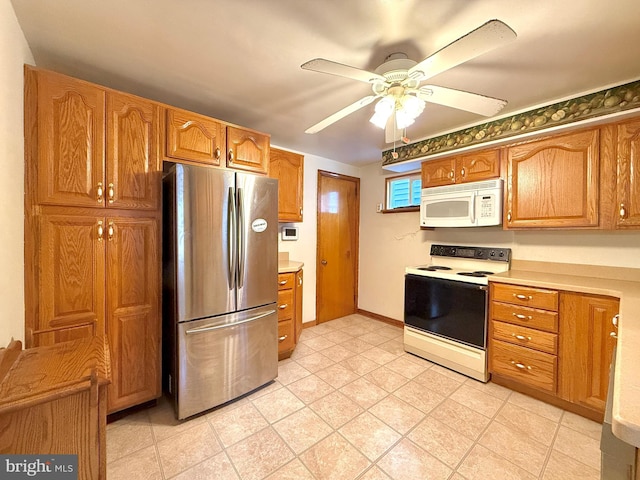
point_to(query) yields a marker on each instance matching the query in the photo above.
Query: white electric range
(445, 311)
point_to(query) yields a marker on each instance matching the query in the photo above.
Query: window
(403, 191)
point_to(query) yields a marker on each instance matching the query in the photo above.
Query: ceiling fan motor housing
(395, 68)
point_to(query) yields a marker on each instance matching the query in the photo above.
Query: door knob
(324, 262)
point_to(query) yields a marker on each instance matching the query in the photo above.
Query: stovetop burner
(434, 268)
(479, 273)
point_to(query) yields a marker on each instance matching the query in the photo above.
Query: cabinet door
(193, 137)
(554, 182)
(133, 322)
(133, 167)
(71, 278)
(629, 174)
(247, 150)
(478, 166)
(298, 303)
(438, 172)
(586, 348)
(287, 167)
(70, 141)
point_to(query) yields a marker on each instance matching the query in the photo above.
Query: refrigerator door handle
(241, 238)
(231, 234)
(209, 328)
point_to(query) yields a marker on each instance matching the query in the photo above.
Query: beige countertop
(623, 283)
(289, 266)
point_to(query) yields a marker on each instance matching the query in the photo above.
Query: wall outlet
(379, 207)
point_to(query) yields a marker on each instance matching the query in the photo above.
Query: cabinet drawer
(527, 337)
(285, 304)
(536, 369)
(526, 296)
(286, 280)
(527, 317)
(285, 336)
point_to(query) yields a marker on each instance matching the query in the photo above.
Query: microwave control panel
(487, 206)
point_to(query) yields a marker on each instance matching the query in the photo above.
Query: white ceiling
(239, 60)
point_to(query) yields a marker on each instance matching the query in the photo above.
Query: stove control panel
(478, 253)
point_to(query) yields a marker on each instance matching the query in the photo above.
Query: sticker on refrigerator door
(259, 225)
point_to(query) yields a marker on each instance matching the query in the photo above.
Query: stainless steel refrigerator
(220, 257)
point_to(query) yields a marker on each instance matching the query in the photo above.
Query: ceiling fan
(396, 83)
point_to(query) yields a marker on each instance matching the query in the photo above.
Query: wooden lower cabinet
(586, 348)
(100, 276)
(289, 312)
(53, 401)
(560, 355)
(133, 310)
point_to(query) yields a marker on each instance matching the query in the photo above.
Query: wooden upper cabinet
(192, 137)
(478, 166)
(628, 153)
(586, 348)
(288, 168)
(438, 172)
(70, 137)
(554, 182)
(247, 150)
(133, 329)
(71, 278)
(471, 167)
(132, 177)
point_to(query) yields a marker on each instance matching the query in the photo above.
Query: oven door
(450, 309)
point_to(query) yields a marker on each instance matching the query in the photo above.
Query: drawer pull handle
(615, 319)
(521, 337)
(282, 338)
(522, 317)
(520, 366)
(613, 335)
(283, 306)
(519, 296)
(282, 282)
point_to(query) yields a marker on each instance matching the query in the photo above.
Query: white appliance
(445, 307)
(473, 204)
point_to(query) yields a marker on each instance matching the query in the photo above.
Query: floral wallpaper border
(604, 102)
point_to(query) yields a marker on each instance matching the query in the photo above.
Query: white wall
(14, 52)
(304, 249)
(390, 242)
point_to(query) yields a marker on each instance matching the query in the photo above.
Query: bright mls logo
(50, 467)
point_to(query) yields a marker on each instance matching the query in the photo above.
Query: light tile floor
(351, 404)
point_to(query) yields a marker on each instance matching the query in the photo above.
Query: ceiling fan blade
(391, 132)
(483, 39)
(471, 102)
(333, 68)
(363, 102)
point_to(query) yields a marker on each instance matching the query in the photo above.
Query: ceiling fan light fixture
(384, 108)
(409, 107)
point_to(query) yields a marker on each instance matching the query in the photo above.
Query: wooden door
(132, 168)
(478, 166)
(438, 172)
(71, 278)
(298, 305)
(586, 348)
(628, 150)
(133, 318)
(554, 182)
(70, 141)
(247, 150)
(287, 167)
(192, 137)
(337, 254)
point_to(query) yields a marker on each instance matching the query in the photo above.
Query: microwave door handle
(473, 208)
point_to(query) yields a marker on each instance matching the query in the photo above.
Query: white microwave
(473, 204)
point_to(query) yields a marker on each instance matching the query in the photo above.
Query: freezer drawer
(221, 358)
